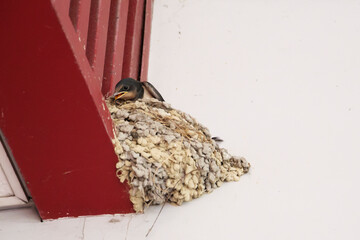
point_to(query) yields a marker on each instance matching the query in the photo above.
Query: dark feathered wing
(152, 90)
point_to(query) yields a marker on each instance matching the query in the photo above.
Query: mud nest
(166, 155)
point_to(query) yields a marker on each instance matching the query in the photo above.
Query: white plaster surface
(5, 189)
(279, 81)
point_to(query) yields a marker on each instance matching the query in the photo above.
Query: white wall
(279, 81)
(5, 189)
(11, 192)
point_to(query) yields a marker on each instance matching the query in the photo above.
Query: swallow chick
(130, 89)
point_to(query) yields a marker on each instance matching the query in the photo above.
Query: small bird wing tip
(153, 91)
(217, 139)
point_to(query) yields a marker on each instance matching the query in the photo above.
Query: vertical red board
(97, 35)
(133, 40)
(146, 41)
(53, 116)
(115, 45)
(79, 13)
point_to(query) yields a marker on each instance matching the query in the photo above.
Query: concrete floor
(279, 82)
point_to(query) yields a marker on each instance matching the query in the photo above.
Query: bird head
(128, 89)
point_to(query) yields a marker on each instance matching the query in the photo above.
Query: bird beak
(119, 95)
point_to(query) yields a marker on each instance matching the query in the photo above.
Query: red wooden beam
(79, 13)
(146, 41)
(65, 6)
(53, 114)
(115, 45)
(91, 79)
(97, 36)
(133, 41)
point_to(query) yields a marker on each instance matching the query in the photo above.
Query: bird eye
(125, 88)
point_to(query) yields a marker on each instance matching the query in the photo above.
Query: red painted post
(79, 13)
(92, 80)
(146, 41)
(56, 68)
(97, 35)
(133, 41)
(53, 114)
(115, 45)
